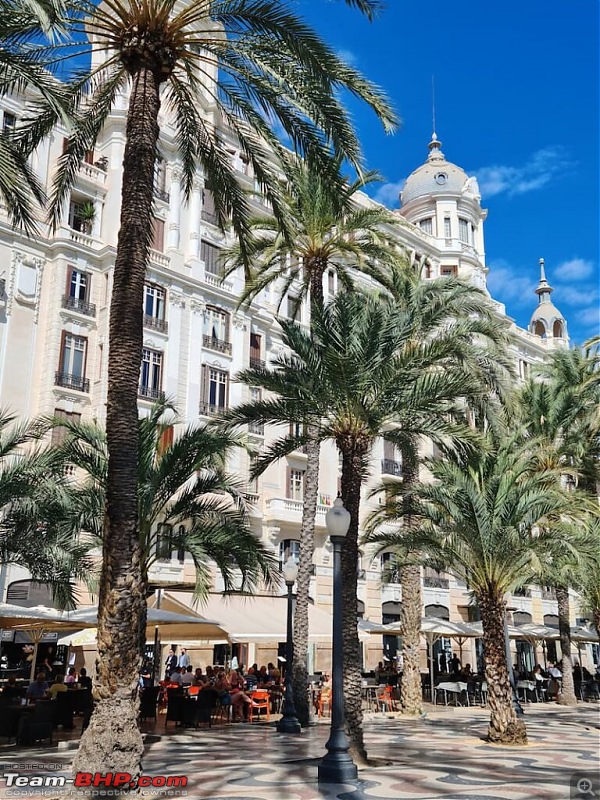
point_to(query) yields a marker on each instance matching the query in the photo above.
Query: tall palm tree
(589, 586)
(488, 517)
(187, 501)
(561, 412)
(34, 499)
(357, 374)
(326, 233)
(254, 63)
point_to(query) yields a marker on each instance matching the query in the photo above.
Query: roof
(437, 176)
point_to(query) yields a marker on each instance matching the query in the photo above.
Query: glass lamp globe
(290, 571)
(337, 519)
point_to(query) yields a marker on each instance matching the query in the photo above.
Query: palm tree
(488, 517)
(330, 235)
(561, 412)
(589, 586)
(28, 29)
(254, 63)
(34, 499)
(187, 501)
(355, 375)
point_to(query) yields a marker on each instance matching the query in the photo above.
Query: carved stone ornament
(177, 299)
(239, 322)
(25, 281)
(197, 306)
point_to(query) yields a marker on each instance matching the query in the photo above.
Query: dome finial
(435, 152)
(544, 290)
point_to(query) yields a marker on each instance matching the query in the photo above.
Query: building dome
(547, 322)
(437, 176)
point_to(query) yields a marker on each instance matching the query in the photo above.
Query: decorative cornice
(197, 306)
(240, 322)
(177, 299)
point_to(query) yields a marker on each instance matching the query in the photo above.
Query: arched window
(360, 609)
(438, 611)
(557, 329)
(551, 620)
(522, 618)
(28, 593)
(540, 329)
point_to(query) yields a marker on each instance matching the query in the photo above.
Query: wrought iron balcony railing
(68, 381)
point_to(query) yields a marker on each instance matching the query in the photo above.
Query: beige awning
(255, 618)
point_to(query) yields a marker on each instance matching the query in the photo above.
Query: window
(434, 579)
(215, 390)
(160, 180)
(294, 307)
(449, 272)
(9, 122)
(295, 484)
(289, 548)
(390, 464)
(78, 285)
(209, 212)
(71, 372)
(151, 374)
(296, 429)
(81, 216)
(59, 433)
(211, 257)
(216, 330)
(523, 369)
(463, 230)
(255, 397)
(447, 228)
(164, 542)
(158, 234)
(179, 543)
(426, 225)
(390, 569)
(331, 282)
(256, 350)
(154, 307)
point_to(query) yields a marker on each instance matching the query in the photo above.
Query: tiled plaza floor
(441, 756)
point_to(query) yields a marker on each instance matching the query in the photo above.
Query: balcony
(391, 467)
(256, 363)
(156, 323)
(524, 592)
(435, 582)
(93, 173)
(162, 195)
(252, 498)
(159, 258)
(80, 306)
(287, 510)
(548, 593)
(209, 216)
(210, 410)
(219, 345)
(217, 281)
(68, 381)
(257, 428)
(149, 393)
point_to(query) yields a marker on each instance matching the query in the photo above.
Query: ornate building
(54, 332)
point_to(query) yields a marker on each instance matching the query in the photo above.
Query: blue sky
(516, 88)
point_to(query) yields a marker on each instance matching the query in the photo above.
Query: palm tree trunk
(352, 469)
(505, 727)
(113, 742)
(567, 695)
(411, 696)
(307, 539)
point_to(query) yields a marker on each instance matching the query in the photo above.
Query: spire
(544, 290)
(435, 153)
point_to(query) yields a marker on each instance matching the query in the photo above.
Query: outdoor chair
(38, 725)
(276, 693)
(260, 701)
(65, 709)
(174, 707)
(148, 702)
(9, 721)
(205, 705)
(385, 699)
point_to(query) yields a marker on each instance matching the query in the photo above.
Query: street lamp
(337, 765)
(289, 721)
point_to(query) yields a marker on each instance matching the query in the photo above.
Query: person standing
(184, 660)
(170, 663)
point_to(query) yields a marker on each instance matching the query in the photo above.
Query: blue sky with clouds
(516, 87)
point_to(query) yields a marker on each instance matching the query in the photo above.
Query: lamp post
(289, 721)
(337, 765)
(518, 708)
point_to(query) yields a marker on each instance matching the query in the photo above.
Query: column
(195, 212)
(174, 209)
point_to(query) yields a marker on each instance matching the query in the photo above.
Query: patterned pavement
(441, 756)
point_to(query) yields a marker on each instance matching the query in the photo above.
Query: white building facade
(54, 340)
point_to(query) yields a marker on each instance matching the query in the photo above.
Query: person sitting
(240, 702)
(187, 679)
(86, 682)
(11, 691)
(71, 678)
(210, 675)
(251, 679)
(276, 677)
(455, 665)
(176, 677)
(466, 674)
(57, 687)
(263, 676)
(38, 688)
(199, 678)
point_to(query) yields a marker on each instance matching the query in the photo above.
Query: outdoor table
(524, 687)
(369, 694)
(453, 687)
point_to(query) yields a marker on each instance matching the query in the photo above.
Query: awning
(257, 618)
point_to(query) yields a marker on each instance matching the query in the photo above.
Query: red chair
(193, 691)
(324, 700)
(386, 699)
(260, 700)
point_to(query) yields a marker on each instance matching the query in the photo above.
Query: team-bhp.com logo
(92, 780)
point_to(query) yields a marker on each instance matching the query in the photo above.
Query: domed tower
(441, 199)
(546, 321)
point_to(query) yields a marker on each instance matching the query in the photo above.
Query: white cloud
(388, 194)
(542, 167)
(590, 317)
(575, 269)
(573, 296)
(349, 57)
(511, 285)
